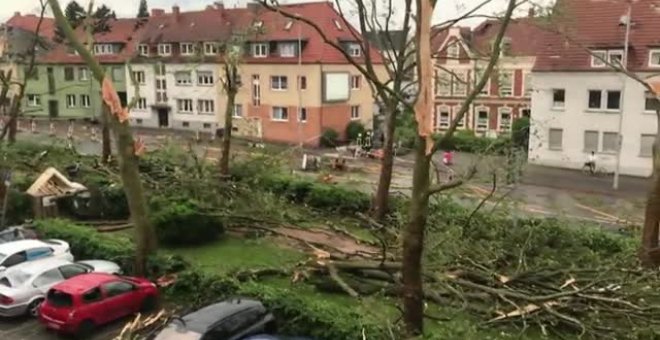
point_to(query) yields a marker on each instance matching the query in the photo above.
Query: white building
(580, 103)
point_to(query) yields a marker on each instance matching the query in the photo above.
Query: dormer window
(164, 49)
(287, 49)
(337, 24)
(260, 50)
(601, 58)
(187, 48)
(210, 48)
(354, 50)
(288, 25)
(143, 50)
(654, 58)
(103, 49)
(258, 24)
(453, 51)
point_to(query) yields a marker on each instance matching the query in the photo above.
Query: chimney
(156, 12)
(219, 5)
(17, 14)
(531, 12)
(176, 13)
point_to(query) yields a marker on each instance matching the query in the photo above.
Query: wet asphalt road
(27, 328)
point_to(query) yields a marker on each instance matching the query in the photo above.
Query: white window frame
(71, 101)
(597, 62)
(282, 83)
(206, 106)
(187, 48)
(85, 101)
(355, 112)
(282, 112)
(141, 104)
(500, 111)
(477, 120)
(185, 106)
(610, 53)
(140, 77)
(604, 96)
(205, 78)
(83, 73)
(439, 110)
(103, 49)
(180, 81)
(287, 49)
(143, 50)
(356, 82)
(354, 50)
(651, 53)
(554, 103)
(501, 82)
(260, 50)
(164, 50)
(238, 111)
(210, 48)
(33, 100)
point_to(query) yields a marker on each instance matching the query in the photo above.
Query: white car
(16, 252)
(24, 286)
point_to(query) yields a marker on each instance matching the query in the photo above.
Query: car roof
(200, 320)
(82, 283)
(39, 266)
(16, 246)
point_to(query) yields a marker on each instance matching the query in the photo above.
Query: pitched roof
(595, 24)
(52, 183)
(440, 33)
(29, 22)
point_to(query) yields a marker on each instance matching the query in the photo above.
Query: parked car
(17, 233)
(227, 320)
(80, 304)
(16, 252)
(24, 286)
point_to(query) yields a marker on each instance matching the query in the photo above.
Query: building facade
(582, 105)
(461, 55)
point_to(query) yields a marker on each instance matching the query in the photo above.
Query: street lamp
(625, 20)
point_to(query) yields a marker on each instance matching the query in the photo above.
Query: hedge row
(295, 315)
(467, 141)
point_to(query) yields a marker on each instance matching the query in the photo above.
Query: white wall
(575, 118)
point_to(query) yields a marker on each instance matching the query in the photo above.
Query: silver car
(24, 286)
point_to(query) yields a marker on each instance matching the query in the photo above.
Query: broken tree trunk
(649, 252)
(381, 201)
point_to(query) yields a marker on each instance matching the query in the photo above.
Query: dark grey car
(227, 320)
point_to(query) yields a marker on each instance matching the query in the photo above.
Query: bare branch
(440, 187)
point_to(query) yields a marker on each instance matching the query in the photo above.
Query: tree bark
(13, 116)
(649, 252)
(231, 91)
(381, 201)
(128, 163)
(105, 135)
(413, 242)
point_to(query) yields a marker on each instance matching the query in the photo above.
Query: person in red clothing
(448, 158)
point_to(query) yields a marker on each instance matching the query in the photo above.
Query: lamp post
(627, 18)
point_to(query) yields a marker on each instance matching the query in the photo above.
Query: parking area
(26, 328)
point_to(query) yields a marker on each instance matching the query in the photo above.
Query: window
(70, 270)
(443, 83)
(615, 57)
(143, 50)
(69, 74)
(206, 125)
(70, 100)
(504, 121)
(260, 50)
(101, 49)
(117, 288)
(613, 100)
(164, 49)
(558, 98)
(610, 142)
(654, 58)
(161, 84)
(453, 50)
(650, 102)
(598, 58)
(38, 253)
(590, 141)
(92, 295)
(83, 73)
(160, 69)
(646, 145)
(302, 82)
(442, 114)
(354, 50)
(185, 124)
(138, 121)
(555, 137)
(210, 48)
(139, 77)
(506, 84)
(205, 106)
(280, 113)
(528, 84)
(59, 299)
(205, 78)
(595, 99)
(141, 104)
(187, 48)
(15, 259)
(185, 105)
(278, 83)
(183, 78)
(48, 278)
(85, 101)
(238, 111)
(117, 73)
(482, 119)
(356, 82)
(33, 100)
(459, 83)
(287, 49)
(302, 114)
(161, 97)
(258, 23)
(355, 112)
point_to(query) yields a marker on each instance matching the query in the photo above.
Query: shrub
(467, 141)
(354, 129)
(337, 198)
(329, 138)
(520, 133)
(181, 222)
(19, 207)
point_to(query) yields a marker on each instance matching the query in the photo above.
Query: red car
(81, 303)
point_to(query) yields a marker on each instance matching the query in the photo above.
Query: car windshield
(15, 278)
(60, 299)
(2, 257)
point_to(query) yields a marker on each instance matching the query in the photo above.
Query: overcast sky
(446, 9)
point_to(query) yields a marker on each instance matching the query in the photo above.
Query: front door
(163, 118)
(53, 109)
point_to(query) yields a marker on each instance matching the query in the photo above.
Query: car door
(14, 259)
(44, 281)
(95, 306)
(120, 298)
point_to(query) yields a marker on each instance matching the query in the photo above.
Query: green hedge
(329, 138)
(181, 222)
(467, 141)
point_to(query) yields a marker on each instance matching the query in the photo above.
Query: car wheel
(33, 307)
(85, 329)
(148, 304)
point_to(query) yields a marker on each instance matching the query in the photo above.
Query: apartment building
(294, 85)
(580, 104)
(460, 57)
